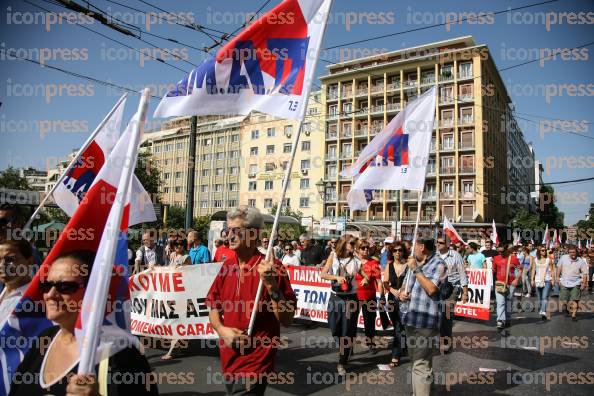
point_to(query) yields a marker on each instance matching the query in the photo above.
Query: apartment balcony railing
(447, 147)
(430, 170)
(413, 196)
(359, 218)
(361, 132)
(362, 91)
(346, 134)
(377, 109)
(427, 80)
(346, 154)
(377, 88)
(331, 156)
(466, 97)
(463, 74)
(332, 116)
(446, 123)
(449, 99)
(447, 170)
(331, 135)
(446, 77)
(347, 112)
(362, 111)
(429, 196)
(394, 107)
(413, 217)
(332, 95)
(467, 195)
(410, 83)
(465, 145)
(447, 195)
(466, 120)
(393, 86)
(346, 93)
(467, 169)
(375, 129)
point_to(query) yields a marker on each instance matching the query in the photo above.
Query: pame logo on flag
(80, 177)
(395, 151)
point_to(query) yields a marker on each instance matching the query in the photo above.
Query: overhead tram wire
(110, 38)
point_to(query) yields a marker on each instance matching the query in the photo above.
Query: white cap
(389, 240)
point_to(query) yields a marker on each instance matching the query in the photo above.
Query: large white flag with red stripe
(397, 157)
(451, 232)
(545, 238)
(494, 236)
(268, 67)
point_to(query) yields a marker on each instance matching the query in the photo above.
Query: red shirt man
(500, 264)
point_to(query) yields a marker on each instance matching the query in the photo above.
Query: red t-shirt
(235, 301)
(223, 253)
(373, 271)
(499, 266)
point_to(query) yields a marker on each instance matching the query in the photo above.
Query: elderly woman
(54, 367)
(343, 307)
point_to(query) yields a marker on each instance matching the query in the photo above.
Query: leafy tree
(585, 228)
(528, 221)
(10, 178)
(147, 172)
(549, 213)
(176, 217)
(287, 231)
(202, 225)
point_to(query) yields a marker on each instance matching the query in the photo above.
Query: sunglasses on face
(399, 250)
(441, 242)
(63, 287)
(364, 248)
(8, 260)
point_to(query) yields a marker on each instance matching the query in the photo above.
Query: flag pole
(307, 89)
(92, 329)
(73, 161)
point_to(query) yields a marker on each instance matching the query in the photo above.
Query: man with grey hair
(311, 255)
(247, 361)
(149, 254)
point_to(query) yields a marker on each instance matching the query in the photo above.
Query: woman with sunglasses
(394, 275)
(55, 364)
(367, 294)
(343, 307)
(177, 258)
(542, 277)
(290, 258)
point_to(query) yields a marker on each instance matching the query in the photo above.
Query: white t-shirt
(539, 268)
(8, 302)
(346, 267)
(150, 255)
(290, 260)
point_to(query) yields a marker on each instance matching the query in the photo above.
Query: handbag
(501, 287)
(346, 286)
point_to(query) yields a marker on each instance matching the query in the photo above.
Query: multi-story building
(54, 173)
(266, 145)
(217, 162)
(35, 178)
(468, 162)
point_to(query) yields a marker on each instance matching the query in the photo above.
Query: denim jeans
(504, 304)
(543, 296)
(526, 286)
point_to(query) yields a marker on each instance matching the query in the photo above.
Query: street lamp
(322, 189)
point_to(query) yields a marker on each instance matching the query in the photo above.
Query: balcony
(393, 107)
(430, 79)
(467, 169)
(362, 112)
(377, 109)
(447, 170)
(467, 195)
(430, 170)
(346, 93)
(346, 134)
(393, 86)
(361, 132)
(446, 76)
(465, 145)
(448, 146)
(466, 120)
(413, 217)
(375, 129)
(464, 74)
(466, 98)
(362, 91)
(346, 154)
(448, 195)
(333, 95)
(347, 112)
(332, 116)
(331, 156)
(446, 123)
(429, 196)
(377, 88)
(446, 99)
(410, 84)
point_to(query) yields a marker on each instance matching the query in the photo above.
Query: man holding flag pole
(268, 67)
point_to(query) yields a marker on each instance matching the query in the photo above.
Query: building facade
(35, 178)
(468, 163)
(266, 144)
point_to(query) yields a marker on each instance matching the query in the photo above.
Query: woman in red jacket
(367, 294)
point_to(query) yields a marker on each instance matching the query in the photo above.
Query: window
(179, 145)
(204, 188)
(233, 186)
(465, 70)
(205, 157)
(255, 134)
(178, 161)
(305, 164)
(347, 150)
(466, 139)
(268, 203)
(269, 167)
(268, 185)
(234, 154)
(288, 130)
(466, 115)
(466, 91)
(221, 140)
(304, 183)
(447, 165)
(270, 149)
(203, 204)
(205, 172)
(168, 147)
(347, 108)
(166, 190)
(234, 170)
(331, 171)
(447, 118)
(304, 202)
(446, 94)
(232, 203)
(218, 203)
(305, 145)
(234, 138)
(467, 212)
(287, 147)
(447, 189)
(219, 172)
(270, 132)
(251, 202)
(207, 142)
(157, 149)
(218, 187)
(253, 151)
(284, 165)
(253, 169)
(448, 211)
(467, 189)
(220, 156)
(447, 141)
(252, 185)
(331, 151)
(306, 127)
(167, 176)
(333, 110)
(177, 189)
(467, 163)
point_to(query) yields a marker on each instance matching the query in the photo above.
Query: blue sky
(73, 106)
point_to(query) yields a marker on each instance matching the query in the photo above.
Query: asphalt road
(538, 358)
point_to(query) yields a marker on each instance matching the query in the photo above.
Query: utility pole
(191, 174)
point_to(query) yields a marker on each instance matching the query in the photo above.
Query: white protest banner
(479, 295)
(313, 294)
(169, 302)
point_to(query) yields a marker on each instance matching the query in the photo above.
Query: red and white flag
(397, 157)
(494, 236)
(268, 67)
(555, 240)
(450, 231)
(545, 239)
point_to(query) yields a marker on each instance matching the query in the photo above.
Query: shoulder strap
(507, 270)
